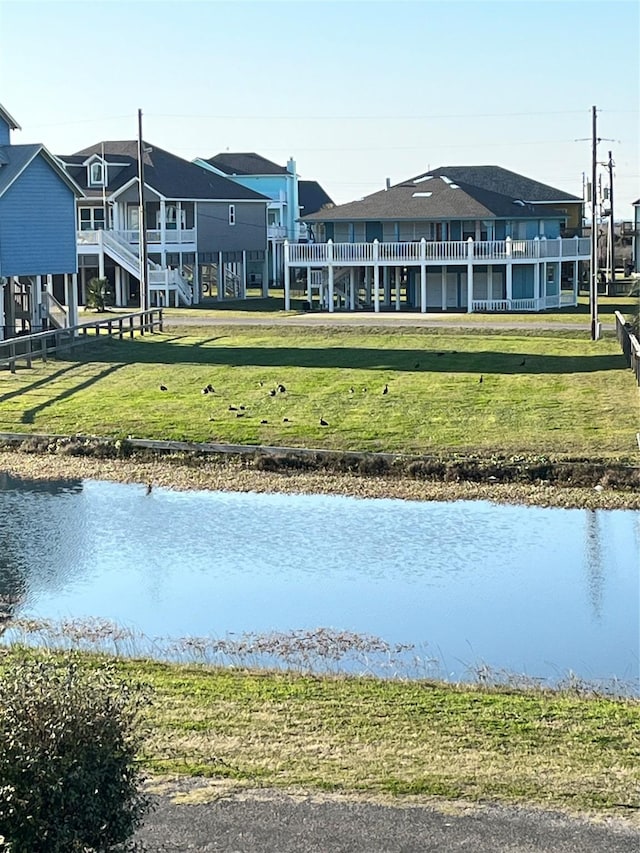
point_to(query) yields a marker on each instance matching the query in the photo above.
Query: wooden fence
(43, 344)
(629, 343)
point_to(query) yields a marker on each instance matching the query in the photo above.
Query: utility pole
(142, 222)
(593, 290)
(611, 261)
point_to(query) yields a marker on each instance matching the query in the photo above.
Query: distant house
(290, 198)
(37, 237)
(204, 232)
(461, 238)
(636, 236)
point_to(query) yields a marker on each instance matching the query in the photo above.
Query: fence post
(160, 323)
(120, 328)
(12, 357)
(43, 346)
(131, 326)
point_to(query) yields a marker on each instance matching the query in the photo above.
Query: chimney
(291, 166)
(388, 184)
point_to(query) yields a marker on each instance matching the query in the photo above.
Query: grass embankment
(448, 392)
(377, 737)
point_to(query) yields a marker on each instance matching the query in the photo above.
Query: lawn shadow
(29, 415)
(417, 360)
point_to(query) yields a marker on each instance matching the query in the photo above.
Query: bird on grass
(323, 422)
(211, 389)
(351, 391)
(242, 408)
(385, 390)
(163, 388)
(233, 408)
(273, 392)
(285, 420)
(481, 380)
(281, 389)
(264, 422)
(239, 414)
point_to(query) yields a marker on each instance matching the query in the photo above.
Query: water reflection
(532, 590)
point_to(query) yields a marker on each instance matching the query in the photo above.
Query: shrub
(68, 743)
(99, 294)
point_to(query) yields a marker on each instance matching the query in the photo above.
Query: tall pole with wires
(142, 222)
(611, 260)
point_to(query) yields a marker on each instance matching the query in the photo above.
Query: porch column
(367, 286)
(244, 273)
(536, 283)
(265, 276)
(490, 282)
(10, 287)
(470, 255)
(100, 255)
(118, 287)
(443, 285)
(309, 288)
(575, 283)
(220, 294)
(36, 308)
(2, 335)
(352, 289)
(386, 284)
(509, 272)
(71, 297)
(274, 262)
(163, 230)
(423, 276)
(330, 289)
(287, 279)
(398, 286)
(376, 277)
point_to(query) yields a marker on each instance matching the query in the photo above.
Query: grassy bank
(483, 392)
(377, 737)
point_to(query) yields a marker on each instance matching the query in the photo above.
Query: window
(92, 219)
(96, 174)
(232, 214)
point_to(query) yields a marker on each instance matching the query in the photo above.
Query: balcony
(449, 252)
(183, 237)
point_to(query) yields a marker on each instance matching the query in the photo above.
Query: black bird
(205, 391)
(149, 487)
(364, 390)
(323, 422)
(239, 414)
(264, 422)
(385, 390)
(233, 408)
(481, 379)
(272, 393)
(261, 383)
(211, 389)
(242, 408)
(351, 391)
(416, 365)
(285, 420)
(281, 389)
(523, 362)
(163, 387)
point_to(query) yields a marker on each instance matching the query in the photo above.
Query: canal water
(473, 587)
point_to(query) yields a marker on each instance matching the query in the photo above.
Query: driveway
(276, 822)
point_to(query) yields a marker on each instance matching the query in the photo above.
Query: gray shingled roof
(15, 158)
(432, 198)
(245, 164)
(170, 175)
(500, 180)
(311, 197)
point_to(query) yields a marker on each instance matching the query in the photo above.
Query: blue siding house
(37, 237)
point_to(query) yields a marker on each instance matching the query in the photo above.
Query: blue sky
(355, 91)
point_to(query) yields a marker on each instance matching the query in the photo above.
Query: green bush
(68, 741)
(99, 294)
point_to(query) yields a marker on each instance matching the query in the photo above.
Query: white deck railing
(154, 236)
(423, 251)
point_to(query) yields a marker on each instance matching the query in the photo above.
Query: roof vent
(422, 195)
(423, 178)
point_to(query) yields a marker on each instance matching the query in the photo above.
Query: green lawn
(373, 736)
(447, 391)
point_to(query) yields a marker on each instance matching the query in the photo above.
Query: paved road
(372, 319)
(272, 822)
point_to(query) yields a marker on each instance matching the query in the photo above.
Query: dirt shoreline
(183, 474)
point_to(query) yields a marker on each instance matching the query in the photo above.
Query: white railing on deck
(423, 251)
(154, 236)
